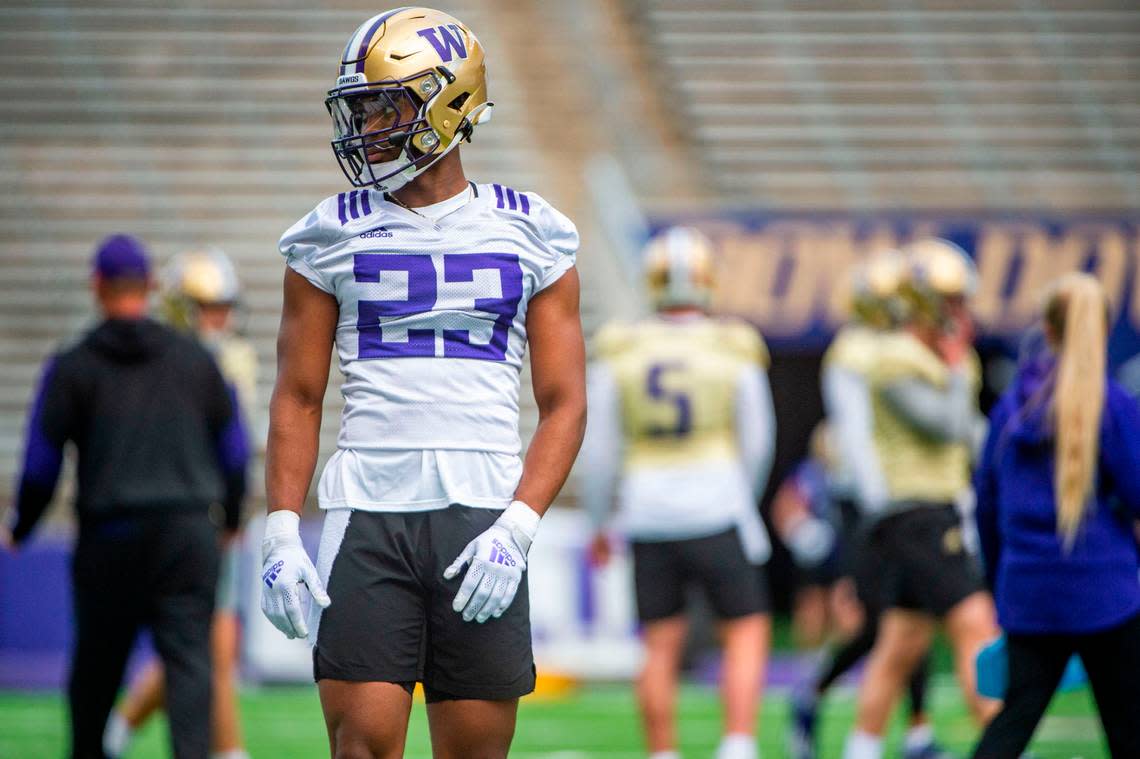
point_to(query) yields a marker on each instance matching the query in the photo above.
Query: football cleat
(195, 279)
(411, 86)
(801, 734)
(679, 269)
(941, 275)
(876, 284)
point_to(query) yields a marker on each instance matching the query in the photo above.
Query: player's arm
(600, 460)
(848, 403)
(558, 367)
(304, 348)
(558, 374)
(944, 414)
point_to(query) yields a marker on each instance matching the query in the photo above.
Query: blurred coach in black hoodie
(158, 445)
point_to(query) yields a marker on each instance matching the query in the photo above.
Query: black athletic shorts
(662, 570)
(916, 560)
(391, 618)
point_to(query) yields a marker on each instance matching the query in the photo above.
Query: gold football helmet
(411, 86)
(679, 269)
(875, 289)
(196, 279)
(941, 276)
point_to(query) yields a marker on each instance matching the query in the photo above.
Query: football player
(923, 387)
(682, 431)
(200, 291)
(430, 287)
(877, 309)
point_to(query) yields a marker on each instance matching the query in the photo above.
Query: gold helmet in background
(679, 269)
(941, 275)
(411, 86)
(876, 285)
(195, 279)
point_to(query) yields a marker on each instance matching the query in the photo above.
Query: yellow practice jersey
(237, 361)
(676, 382)
(916, 466)
(853, 349)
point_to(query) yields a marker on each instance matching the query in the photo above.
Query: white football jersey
(430, 339)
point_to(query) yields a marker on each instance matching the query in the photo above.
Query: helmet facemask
(381, 134)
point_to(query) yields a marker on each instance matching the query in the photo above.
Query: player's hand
(287, 573)
(811, 541)
(600, 552)
(7, 543)
(498, 560)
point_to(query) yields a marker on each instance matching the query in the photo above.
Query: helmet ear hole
(457, 103)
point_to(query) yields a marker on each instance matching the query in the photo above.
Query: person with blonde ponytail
(1057, 489)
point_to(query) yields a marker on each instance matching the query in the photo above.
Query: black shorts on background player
(391, 618)
(662, 570)
(916, 559)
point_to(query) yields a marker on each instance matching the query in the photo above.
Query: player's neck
(444, 179)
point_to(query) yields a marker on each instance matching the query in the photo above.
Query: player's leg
(747, 641)
(186, 571)
(365, 720)
(810, 616)
(664, 641)
(146, 695)
(1112, 660)
(904, 638)
(471, 729)
(738, 593)
(659, 591)
(106, 623)
(366, 656)
(225, 732)
(1036, 663)
(970, 625)
(938, 576)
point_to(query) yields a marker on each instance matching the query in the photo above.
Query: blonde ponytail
(1077, 316)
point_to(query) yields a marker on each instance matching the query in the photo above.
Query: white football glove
(498, 560)
(286, 574)
(811, 541)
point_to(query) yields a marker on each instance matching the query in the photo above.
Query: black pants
(1036, 663)
(158, 571)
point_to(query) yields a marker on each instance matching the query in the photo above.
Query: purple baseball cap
(122, 257)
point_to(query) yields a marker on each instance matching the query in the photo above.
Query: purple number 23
(422, 297)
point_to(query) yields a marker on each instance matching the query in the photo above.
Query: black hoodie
(145, 406)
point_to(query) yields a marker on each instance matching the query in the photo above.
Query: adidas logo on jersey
(374, 233)
(500, 555)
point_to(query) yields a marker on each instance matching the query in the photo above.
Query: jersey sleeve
(560, 241)
(302, 244)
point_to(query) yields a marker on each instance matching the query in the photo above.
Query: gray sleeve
(600, 459)
(755, 427)
(947, 415)
(848, 403)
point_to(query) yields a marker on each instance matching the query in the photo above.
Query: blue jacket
(1038, 585)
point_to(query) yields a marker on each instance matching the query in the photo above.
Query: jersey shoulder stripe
(353, 205)
(512, 200)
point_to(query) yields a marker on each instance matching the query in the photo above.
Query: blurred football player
(923, 386)
(682, 431)
(430, 287)
(200, 291)
(877, 309)
(811, 514)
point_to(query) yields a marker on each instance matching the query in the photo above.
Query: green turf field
(285, 723)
